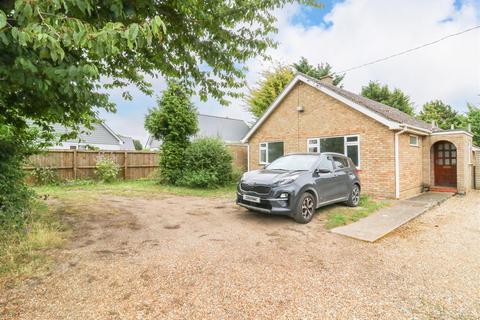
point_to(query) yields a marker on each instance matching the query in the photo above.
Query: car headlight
(286, 180)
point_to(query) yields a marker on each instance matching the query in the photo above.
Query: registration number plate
(251, 198)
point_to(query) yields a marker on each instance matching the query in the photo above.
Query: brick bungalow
(396, 154)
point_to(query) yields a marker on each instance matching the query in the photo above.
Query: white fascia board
(389, 123)
(452, 132)
(416, 130)
(111, 132)
(272, 107)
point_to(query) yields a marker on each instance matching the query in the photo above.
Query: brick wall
(411, 170)
(477, 170)
(239, 154)
(324, 116)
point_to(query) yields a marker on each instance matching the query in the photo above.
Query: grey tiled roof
(377, 107)
(227, 129)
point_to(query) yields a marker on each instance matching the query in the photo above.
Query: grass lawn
(23, 252)
(129, 188)
(339, 216)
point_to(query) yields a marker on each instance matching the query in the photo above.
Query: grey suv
(297, 184)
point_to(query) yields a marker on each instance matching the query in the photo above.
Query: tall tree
(396, 98)
(319, 71)
(270, 85)
(53, 54)
(174, 122)
(443, 114)
(473, 118)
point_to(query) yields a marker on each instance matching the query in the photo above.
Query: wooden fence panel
(80, 164)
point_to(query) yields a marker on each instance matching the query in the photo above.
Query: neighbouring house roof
(228, 129)
(389, 116)
(101, 134)
(127, 143)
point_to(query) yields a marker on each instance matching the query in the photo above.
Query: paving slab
(385, 220)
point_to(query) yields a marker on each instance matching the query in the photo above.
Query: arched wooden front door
(445, 156)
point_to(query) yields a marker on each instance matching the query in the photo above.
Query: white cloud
(366, 30)
(361, 31)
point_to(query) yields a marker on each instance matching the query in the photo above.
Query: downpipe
(397, 162)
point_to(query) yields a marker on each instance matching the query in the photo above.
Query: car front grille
(258, 189)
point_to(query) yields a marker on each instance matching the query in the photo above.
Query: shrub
(207, 163)
(44, 176)
(173, 122)
(14, 194)
(106, 169)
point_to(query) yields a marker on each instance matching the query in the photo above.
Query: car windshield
(300, 162)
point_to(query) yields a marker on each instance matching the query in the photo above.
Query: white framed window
(347, 145)
(269, 151)
(414, 140)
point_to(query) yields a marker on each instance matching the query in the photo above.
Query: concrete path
(388, 219)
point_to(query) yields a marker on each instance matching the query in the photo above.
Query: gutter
(397, 162)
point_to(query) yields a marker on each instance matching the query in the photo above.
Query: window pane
(275, 150)
(263, 145)
(326, 164)
(352, 139)
(313, 149)
(352, 153)
(447, 146)
(413, 140)
(332, 145)
(447, 161)
(263, 155)
(313, 141)
(454, 161)
(340, 162)
(440, 154)
(454, 154)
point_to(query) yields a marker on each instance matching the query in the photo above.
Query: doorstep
(386, 220)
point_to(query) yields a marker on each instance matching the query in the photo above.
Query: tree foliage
(396, 98)
(319, 71)
(443, 115)
(137, 144)
(473, 118)
(270, 85)
(174, 122)
(273, 81)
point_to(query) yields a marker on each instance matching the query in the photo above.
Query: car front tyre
(354, 198)
(305, 208)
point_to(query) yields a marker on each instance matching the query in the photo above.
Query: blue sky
(351, 32)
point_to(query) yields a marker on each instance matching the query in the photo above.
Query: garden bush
(14, 194)
(207, 163)
(106, 169)
(43, 176)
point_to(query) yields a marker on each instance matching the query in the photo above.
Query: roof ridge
(213, 116)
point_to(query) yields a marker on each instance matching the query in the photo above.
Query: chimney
(328, 79)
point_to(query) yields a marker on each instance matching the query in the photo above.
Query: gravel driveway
(174, 257)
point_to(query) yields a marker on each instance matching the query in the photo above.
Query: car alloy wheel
(307, 207)
(355, 195)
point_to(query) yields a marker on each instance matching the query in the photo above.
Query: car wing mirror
(323, 170)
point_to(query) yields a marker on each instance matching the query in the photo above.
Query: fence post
(126, 166)
(75, 164)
